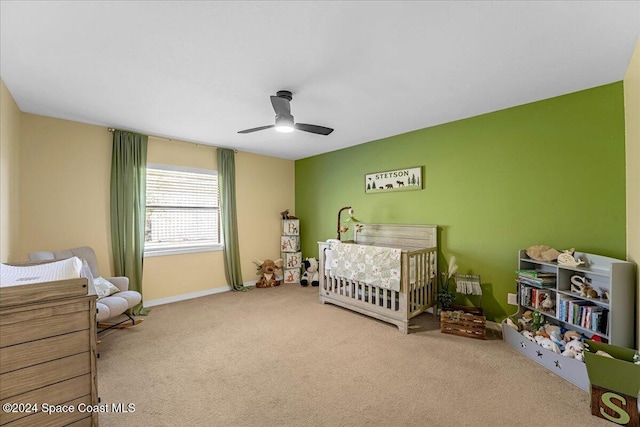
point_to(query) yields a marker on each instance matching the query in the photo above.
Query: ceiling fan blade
(320, 130)
(281, 106)
(256, 129)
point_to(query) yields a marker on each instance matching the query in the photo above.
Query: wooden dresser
(48, 354)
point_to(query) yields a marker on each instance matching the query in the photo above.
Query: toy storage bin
(464, 321)
(615, 383)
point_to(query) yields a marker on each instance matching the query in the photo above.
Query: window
(182, 212)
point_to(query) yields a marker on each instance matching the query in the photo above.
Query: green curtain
(128, 201)
(227, 187)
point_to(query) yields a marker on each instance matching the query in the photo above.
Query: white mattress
(12, 275)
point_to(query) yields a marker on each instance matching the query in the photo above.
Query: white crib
(418, 281)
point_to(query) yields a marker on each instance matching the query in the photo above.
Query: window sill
(182, 251)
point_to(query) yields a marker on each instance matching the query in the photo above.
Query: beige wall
(65, 185)
(264, 189)
(632, 128)
(9, 175)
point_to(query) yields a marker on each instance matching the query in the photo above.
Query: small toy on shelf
(542, 253)
(547, 303)
(285, 215)
(566, 258)
(581, 286)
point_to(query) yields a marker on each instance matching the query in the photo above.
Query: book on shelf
(565, 307)
(533, 297)
(576, 309)
(546, 282)
(536, 274)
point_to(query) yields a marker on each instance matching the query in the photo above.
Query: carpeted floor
(277, 357)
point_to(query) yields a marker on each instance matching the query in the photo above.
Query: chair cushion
(103, 313)
(133, 298)
(115, 305)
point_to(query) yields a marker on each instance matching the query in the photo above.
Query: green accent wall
(550, 172)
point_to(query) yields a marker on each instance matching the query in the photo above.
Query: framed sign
(407, 179)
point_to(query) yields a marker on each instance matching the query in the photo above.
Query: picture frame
(402, 179)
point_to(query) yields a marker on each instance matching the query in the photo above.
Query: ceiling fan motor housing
(284, 94)
(284, 120)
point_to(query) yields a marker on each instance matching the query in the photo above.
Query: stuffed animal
(528, 335)
(310, 272)
(267, 271)
(537, 322)
(575, 349)
(547, 303)
(546, 343)
(513, 324)
(581, 286)
(572, 335)
(525, 320)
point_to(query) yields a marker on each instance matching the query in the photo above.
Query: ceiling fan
(284, 119)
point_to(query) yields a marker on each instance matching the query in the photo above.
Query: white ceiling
(201, 71)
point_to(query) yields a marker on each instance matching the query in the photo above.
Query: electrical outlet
(512, 299)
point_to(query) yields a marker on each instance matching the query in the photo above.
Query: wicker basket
(464, 321)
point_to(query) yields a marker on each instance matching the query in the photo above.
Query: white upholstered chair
(109, 307)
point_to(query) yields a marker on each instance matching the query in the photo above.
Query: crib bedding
(373, 265)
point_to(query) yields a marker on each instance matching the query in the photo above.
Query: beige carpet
(277, 357)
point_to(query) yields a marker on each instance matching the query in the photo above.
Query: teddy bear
(310, 272)
(267, 271)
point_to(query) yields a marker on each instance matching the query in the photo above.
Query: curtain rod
(111, 130)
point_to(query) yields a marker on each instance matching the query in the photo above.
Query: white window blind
(182, 212)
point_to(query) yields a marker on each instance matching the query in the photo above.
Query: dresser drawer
(35, 352)
(54, 394)
(43, 419)
(74, 317)
(17, 382)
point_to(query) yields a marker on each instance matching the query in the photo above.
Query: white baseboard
(183, 297)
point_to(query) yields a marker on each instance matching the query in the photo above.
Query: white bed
(417, 288)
